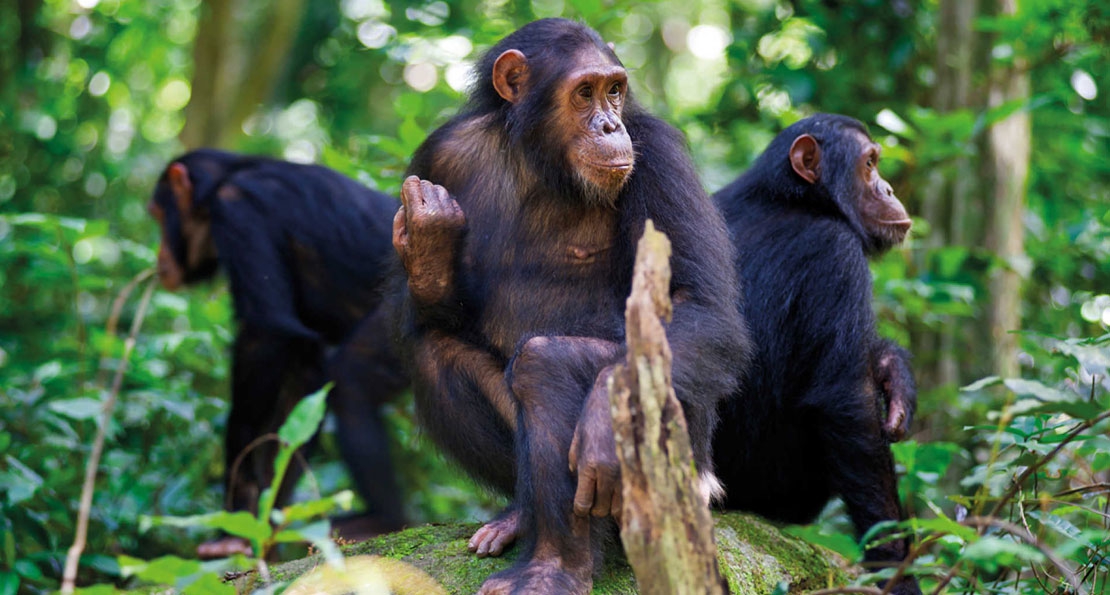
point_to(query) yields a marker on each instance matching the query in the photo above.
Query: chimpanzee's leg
(864, 476)
(270, 374)
(368, 373)
(482, 370)
(460, 392)
(551, 378)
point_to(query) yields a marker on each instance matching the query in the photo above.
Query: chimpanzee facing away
(306, 251)
(517, 232)
(810, 419)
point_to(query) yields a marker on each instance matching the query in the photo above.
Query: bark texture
(665, 526)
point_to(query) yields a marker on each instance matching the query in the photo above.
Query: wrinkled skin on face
(590, 98)
(884, 217)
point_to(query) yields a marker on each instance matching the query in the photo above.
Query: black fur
(305, 250)
(523, 208)
(806, 423)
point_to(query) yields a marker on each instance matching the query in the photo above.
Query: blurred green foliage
(92, 98)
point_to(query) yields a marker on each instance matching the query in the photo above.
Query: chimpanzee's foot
(224, 547)
(539, 577)
(496, 535)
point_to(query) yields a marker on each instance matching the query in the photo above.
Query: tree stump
(666, 528)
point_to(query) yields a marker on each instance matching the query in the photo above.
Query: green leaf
(28, 569)
(982, 383)
(241, 524)
(167, 570)
(78, 409)
(838, 542)
(107, 589)
(992, 553)
(303, 511)
(305, 419)
(319, 534)
(19, 482)
(209, 583)
(1037, 390)
(945, 525)
(9, 583)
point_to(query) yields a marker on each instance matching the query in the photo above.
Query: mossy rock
(755, 556)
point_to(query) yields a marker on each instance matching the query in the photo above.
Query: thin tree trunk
(264, 66)
(208, 96)
(1008, 151)
(665, 526)
(226, 91)
(946, 197)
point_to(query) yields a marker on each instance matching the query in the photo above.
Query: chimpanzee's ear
(805, 158)
(510, 75)
(181, 186)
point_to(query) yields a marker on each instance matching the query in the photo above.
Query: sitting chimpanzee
(305, 250)
(518, 232)
(810, 419)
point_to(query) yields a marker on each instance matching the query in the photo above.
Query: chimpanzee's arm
(427, 234)
(707, 335)
(890, 366)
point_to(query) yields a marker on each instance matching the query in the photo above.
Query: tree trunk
(208, 96)
(948, 190)
(665, 526)
(1008, 150)
(225, 92)
(278, 31)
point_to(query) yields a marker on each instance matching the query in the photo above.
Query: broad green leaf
(943, 524)
(992, 553)
(28, 569)
(302, 511)
(79, 408)
(209, 583)
(840, 543)
(1038, 390)
(167, 570)
(982, 383)
(305, 419)
(1077, 409)
(107, 589)
(19, 481)
(241, 524)
(9, 583)
(319, 534)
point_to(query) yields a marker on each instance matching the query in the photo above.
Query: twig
(267, 437)
(233, 473)
(841, 590)
(69, 577)
(1019, 531)
(1072, 435)
(910, 557)
(117, 309)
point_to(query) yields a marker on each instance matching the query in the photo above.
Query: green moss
(755, 556)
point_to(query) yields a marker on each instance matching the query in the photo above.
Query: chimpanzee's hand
(426, 234)
(895, 382)
(593, 456)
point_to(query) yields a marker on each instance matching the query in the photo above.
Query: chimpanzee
(517, 234)
(306, 251)
(810, 419)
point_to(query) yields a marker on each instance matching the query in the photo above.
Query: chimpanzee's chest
(554, 272)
